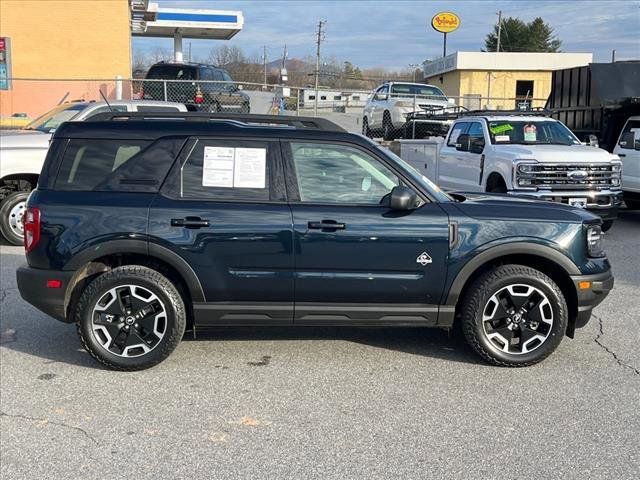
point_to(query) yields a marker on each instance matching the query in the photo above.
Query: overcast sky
(394, 34)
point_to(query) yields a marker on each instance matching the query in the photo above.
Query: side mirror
(476, 145)
(451, 101)
(463, 143)
(381, 96)
(403, 198)
(593, 141)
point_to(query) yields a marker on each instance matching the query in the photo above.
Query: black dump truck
(596, 99)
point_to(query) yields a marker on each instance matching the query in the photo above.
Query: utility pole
(499, 29)
(319, 39)
(264, 64)
(613, 56)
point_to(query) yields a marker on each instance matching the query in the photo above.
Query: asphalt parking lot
(325, 403)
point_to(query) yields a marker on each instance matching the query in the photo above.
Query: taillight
(31, 228)
(199, 98)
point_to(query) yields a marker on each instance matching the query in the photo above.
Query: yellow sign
(445, 22)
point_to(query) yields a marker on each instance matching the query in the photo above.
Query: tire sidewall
(558, 306)
(167, 294)
(5, 208)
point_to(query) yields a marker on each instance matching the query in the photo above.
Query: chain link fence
(353, 110)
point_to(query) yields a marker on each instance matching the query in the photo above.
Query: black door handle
(326, 225)
(189, 222)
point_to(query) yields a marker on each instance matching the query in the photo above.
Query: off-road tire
(632, 203)
(366, 131)
(7, 212)
(388, 132)
(150, 280)
(483, 288)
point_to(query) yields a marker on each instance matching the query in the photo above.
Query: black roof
(151, 126)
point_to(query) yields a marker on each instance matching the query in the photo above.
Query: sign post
(445, 22)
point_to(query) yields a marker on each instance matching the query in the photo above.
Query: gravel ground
(324, 403)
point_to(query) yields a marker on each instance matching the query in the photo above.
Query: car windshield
(410, 89)
(48, 122)
(435, 191)
(172, 72)
(529, 132)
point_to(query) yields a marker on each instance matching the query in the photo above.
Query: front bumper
(604, 203)
(589, 297)
(32, 284)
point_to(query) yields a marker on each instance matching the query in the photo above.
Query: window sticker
(454, 135)
(502, 138)
(530, 133)
(218, 166)
(230, 167)
(498, 129)
(250, 168)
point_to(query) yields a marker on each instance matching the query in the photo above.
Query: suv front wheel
(514, 316)
(130, 318)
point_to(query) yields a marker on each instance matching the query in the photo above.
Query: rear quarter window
(116, 165)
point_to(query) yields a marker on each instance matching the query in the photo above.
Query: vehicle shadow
(427, 342)
(59, 343)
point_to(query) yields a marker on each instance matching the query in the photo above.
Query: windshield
(48, 122)
(172, 72)
(434, 190)
(527, 132)
(409, 90)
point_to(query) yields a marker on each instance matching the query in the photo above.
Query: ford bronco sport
(145, 225)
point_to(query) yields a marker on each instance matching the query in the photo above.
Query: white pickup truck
(520, 154)
(628, 149)
(23, 152)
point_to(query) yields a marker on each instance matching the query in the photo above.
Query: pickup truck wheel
(11, 212)
(514, 316)
(632, 203)
(366, 131)
(130, 318)
(388, 132)
(246, 108)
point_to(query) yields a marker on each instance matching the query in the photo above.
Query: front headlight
(595, 241)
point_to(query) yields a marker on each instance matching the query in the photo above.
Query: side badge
(424, 259)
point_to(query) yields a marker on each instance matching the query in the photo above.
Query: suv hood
(503, 207)
(24, 139)
(556, 153)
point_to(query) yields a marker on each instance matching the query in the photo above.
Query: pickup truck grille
(573, 177)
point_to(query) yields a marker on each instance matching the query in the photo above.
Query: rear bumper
(32, 284)
(590, 297)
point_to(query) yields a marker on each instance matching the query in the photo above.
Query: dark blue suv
(145, 225)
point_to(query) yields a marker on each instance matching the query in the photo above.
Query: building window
(337, 97)
(323, 97)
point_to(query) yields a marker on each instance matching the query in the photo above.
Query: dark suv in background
(143, 226)
(202, 87)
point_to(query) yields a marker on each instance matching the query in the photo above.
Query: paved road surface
(325, 403)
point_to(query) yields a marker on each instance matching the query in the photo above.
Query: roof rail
(312, 123)
(535, 111)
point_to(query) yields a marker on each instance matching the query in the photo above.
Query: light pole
(413, 67)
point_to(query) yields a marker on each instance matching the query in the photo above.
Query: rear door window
(228, 170)
(172, 72)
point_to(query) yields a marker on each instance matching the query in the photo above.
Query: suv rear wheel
(11, 212)
(130, 318)
(514, 316)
